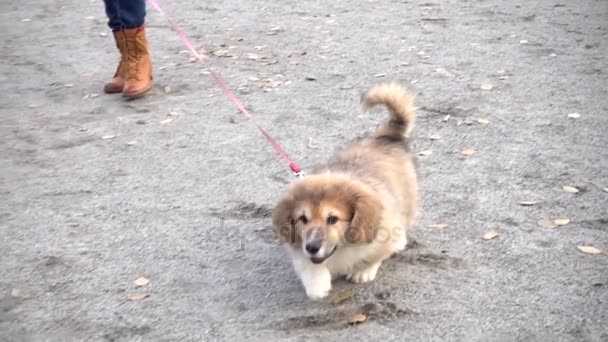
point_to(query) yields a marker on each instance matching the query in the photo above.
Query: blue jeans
(125, 14)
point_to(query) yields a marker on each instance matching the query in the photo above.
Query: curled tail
(399, 103)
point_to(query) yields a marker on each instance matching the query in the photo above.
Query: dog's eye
(303, 219)
(332, 219)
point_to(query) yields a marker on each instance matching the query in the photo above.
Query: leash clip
(299, 174)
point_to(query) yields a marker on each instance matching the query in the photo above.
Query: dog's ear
(367, 213)
(283, 221)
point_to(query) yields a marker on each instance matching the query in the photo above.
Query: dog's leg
(315, 278)
(363, 275)
(401, 242)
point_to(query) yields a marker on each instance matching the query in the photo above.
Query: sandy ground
(186, 203)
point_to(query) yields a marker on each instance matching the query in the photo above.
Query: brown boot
(117, 83)
(139, 64)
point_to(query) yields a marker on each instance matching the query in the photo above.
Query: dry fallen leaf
(297, 53)
(274, 31)
(547, 223)
(468, 152)
(141, 281)
(311, 144)
(425, 153)
(570, 189)
(435, 137)
(560, 222)
(443, 72)
(438, 225)
(166, 121)
(574, 115)
(486, 87)
(589, 249)
(357, 319)
(270, 62)
(483, 121)
(528, 203)
(223, 53)
(343, 297)
(107, 137)
(21, 293)
(491, 234)
(138, 297)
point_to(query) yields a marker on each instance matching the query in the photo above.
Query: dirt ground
(179, 187)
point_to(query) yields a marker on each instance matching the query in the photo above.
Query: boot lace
(134, 58)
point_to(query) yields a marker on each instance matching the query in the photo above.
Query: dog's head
(321, 213)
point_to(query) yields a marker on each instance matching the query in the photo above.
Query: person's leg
(139, 63)
(132, 13)
(117, 83)
(114, 21)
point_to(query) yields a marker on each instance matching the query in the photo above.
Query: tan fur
(358, 206)
(399, 103)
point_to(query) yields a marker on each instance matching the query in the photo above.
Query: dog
(352, 213)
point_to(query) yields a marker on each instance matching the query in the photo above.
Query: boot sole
(139, 93)
(112, 91)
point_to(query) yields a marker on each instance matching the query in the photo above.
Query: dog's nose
(313, 247)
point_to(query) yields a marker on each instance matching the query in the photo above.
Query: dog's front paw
(401, 242)
(316, 294)
(318, 287)
(365, 275)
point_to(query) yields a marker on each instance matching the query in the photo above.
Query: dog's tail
(399, 103)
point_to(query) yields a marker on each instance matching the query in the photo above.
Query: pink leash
(227, 91)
